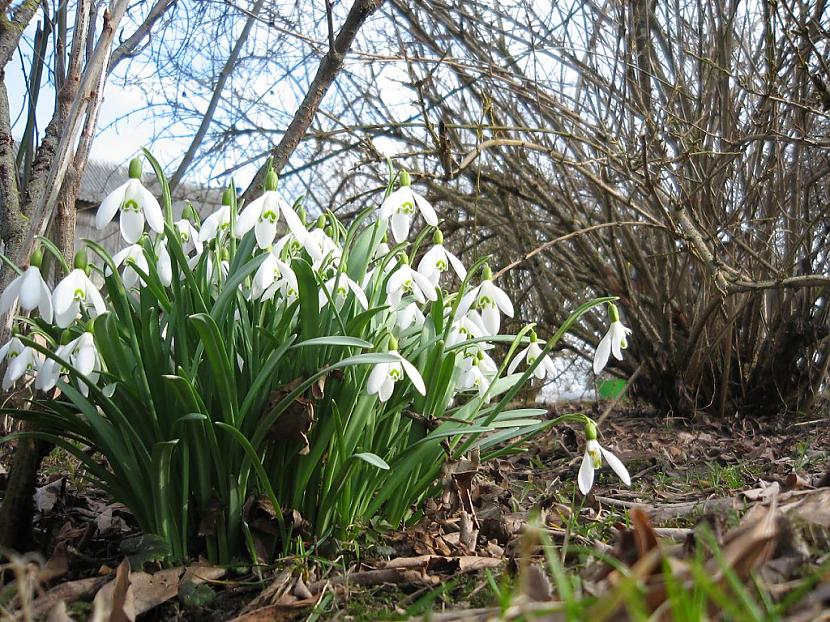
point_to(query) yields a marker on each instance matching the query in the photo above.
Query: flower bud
(404, 178)
(227, 196)
(590, 430)
(270, 180)
(189, 213)
(36, 258)
(81, 260)
(437, 237)
(135, 168)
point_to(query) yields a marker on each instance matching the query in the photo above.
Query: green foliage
(208, 399)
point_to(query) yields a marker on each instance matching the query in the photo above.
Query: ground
(732, 504)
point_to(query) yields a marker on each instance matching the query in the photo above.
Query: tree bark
(327, 71)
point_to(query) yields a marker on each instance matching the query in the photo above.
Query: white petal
(586, 474)
(132, 225)
(249, 216)
(516, 360)
(11, 294)
(377, 377)
(456, 264)
(385, 391)
(502, 300)
(492, 320)
(110, 205)
(67, 316)
(400, 226)
(616, 465)
(45, 304)
(47, 377)
(602, 353)
(392, 202)
(265, 231)
(425, 284)
(152, 210)
(164, 266)
(361, 297)
(295, 225)
(414, 375)
(85, 358)
(30, 288)
(64, 295)
(426, 210)
(94, 297)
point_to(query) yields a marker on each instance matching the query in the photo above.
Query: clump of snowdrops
(331, 371)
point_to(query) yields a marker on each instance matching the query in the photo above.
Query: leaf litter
(743, 492)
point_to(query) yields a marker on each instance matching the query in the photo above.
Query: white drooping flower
(592, 460)
(81, 354)
(320, 247)
(339, 293)
(466, 327)
(134, 257)
(383, 376)
(408, 315)
(531, 354)
(263, 213)
(489, 300)
(136, 203)
(438, 260)
(478, 370)
(614, 341)
(400, 206)
(189, 236)
(405, 281)
(74, 293)
(20, 361)
(30, 290)
(273, 275)
(216, 224)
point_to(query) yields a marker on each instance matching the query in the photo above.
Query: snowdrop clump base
(223, 370)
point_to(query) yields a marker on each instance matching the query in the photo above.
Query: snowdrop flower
(408, 315)
(613, 342)
(383, 377)
(469, 326)
(438, 259)
(216, 224)
(478, 370)
(81, 353)
(30, 290)
(74, 293)
(21, 360)
(189, 236)
(271, 271)
(286, 285)
(344, 284)
(320, 246)
(399, 208)
(489, 299)
(406, 281)
(263, 213)
(592, 460)
(531, 354)
(136, 204)
(134, 257)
